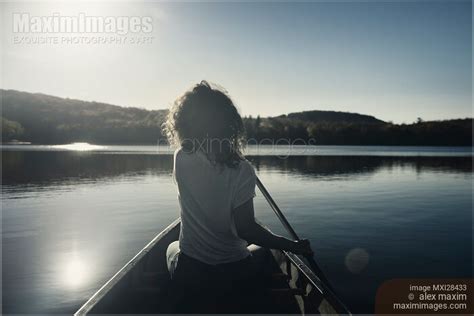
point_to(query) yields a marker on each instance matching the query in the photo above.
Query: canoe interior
(140, 287)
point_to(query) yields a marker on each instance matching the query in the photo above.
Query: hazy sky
(394, 60)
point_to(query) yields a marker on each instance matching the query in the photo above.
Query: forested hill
(45, 119)
(331, 116)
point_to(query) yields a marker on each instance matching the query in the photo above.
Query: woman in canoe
(216, 187)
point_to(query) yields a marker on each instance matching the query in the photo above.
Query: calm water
(71, 219)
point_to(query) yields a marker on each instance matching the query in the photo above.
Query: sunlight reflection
(79, 146)
(75, 272)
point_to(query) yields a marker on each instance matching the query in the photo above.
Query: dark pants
(197, 287)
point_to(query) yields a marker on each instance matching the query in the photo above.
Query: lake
(72, 216)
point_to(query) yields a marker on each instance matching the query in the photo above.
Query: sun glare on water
(74, 273)
(79, 147)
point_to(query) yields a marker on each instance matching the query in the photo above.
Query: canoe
(140, 287)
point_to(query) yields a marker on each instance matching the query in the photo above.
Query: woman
(216, 186)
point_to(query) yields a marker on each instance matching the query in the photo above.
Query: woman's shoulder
(181, 158)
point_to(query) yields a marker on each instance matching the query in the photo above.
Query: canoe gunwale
(104, 289)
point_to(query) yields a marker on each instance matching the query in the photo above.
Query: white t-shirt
(207, 194)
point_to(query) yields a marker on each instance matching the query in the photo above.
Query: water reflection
(78, 147)
(51, 168)
(328, 166)
(74, 271)
(48, 168)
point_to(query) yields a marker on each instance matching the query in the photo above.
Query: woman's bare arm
(254, 233)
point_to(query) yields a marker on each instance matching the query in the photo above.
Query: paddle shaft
(292, 232)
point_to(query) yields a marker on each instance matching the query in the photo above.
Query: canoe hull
(140, 286)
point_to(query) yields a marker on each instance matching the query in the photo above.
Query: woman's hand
(302, 247)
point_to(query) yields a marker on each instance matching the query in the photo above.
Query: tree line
(43, 119)
(456, 132)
